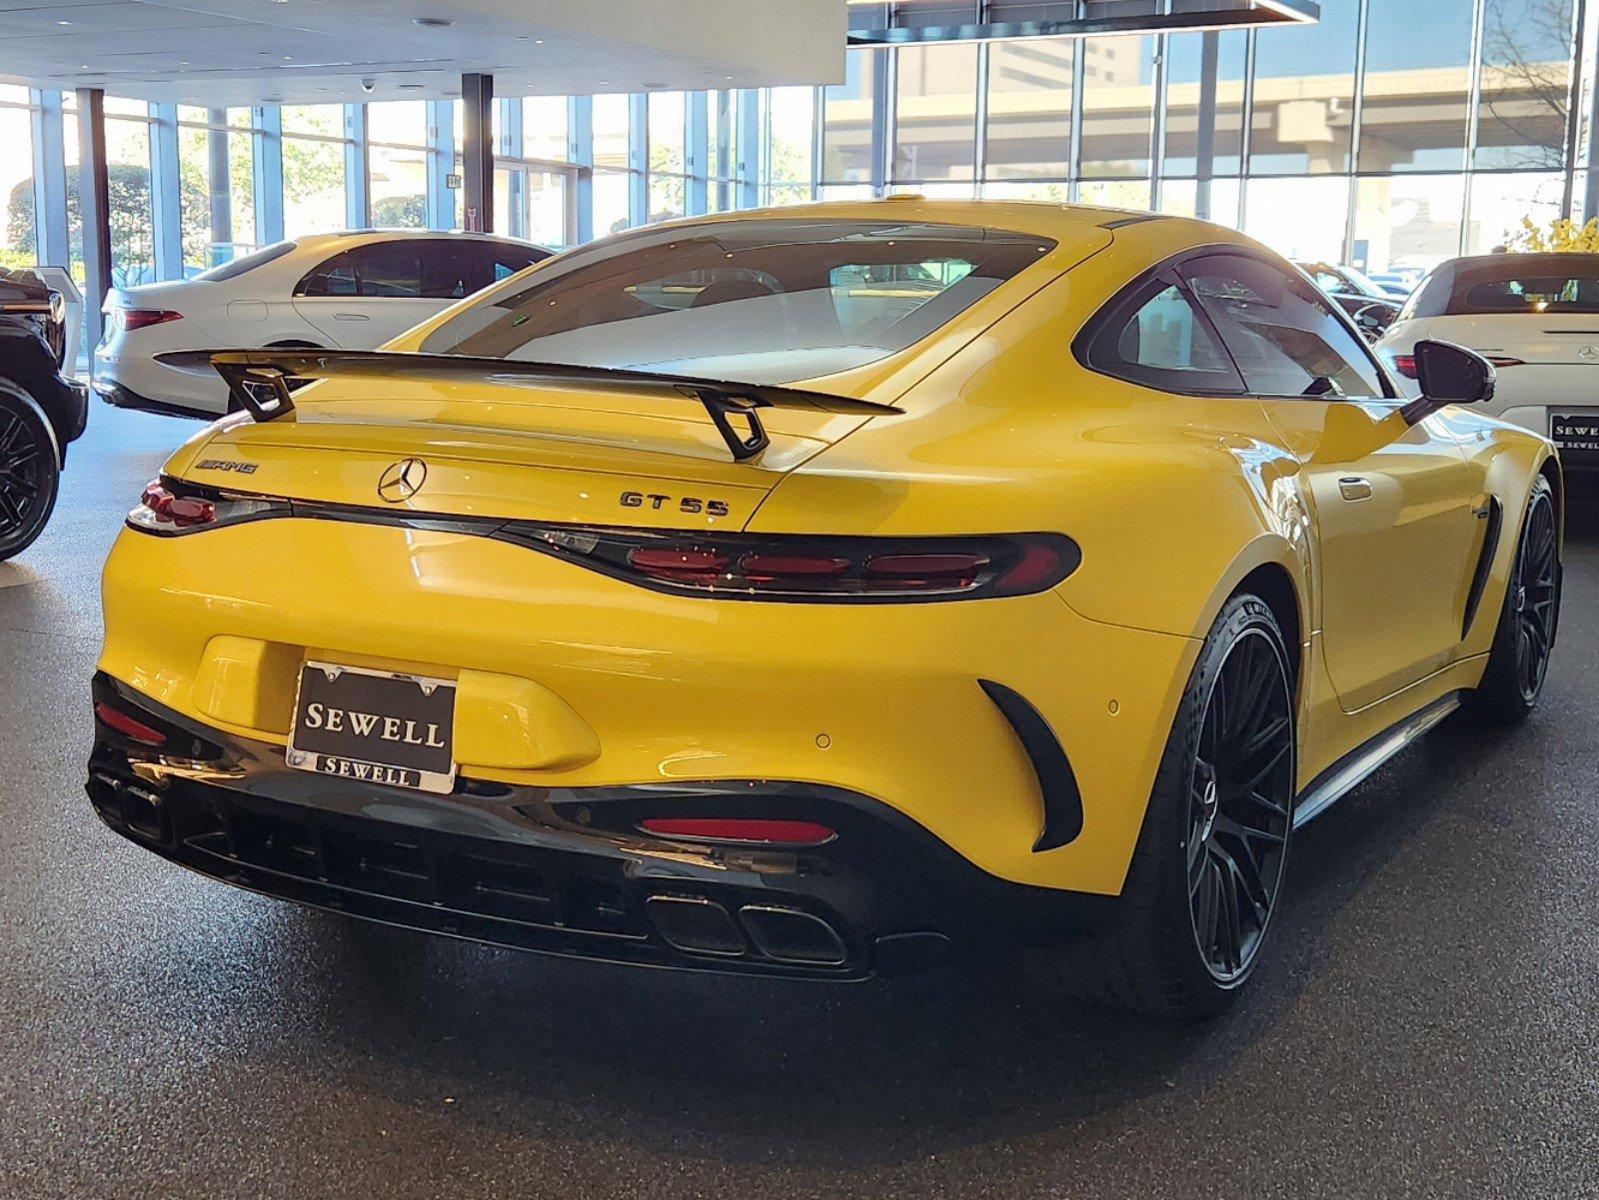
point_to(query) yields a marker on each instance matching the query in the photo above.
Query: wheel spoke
(10, 509)
(1232, 934)
(1266, 802)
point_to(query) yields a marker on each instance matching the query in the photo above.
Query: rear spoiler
(258, 381)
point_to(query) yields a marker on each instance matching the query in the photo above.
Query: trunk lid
(518, 452)
(1534, 338)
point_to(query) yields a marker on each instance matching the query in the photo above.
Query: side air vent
(1479, 579)
(1063, 804)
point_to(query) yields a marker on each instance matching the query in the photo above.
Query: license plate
(374, 727)
(1575, 433)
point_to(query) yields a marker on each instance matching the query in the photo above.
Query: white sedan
(1536, 318)
(345, 291)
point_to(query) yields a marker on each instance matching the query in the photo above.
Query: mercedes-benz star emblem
(1589, 353)
(403, 480)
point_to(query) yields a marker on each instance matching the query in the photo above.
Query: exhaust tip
(144, 814)
(695, 926)
(791, 936)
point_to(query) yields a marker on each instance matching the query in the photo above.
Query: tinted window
(411, 269)
(1284, 334)
(1571, 291)
(1157, 339)
(449, 269)
(496, 262)
(247, 262)
(764, 300)
(389, 269)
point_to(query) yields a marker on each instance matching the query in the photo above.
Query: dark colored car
(41, 411)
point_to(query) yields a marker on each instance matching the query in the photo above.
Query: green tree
(401, 212)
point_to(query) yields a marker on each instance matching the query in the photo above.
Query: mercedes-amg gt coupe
(810, 592)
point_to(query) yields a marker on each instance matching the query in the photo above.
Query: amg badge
(226, 464)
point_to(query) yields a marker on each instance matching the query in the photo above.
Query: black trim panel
(1479, 577)
(1057, 784)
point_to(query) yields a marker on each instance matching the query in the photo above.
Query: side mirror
(1449, 374)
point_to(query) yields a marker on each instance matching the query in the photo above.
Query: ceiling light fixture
(63, 22)
(432, 22)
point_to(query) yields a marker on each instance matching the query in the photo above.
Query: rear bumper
(127, 375)
(565, 871)
(571, 679)
(119, 396)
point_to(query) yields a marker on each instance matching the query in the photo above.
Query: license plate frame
(1586, 444)
(389, 728)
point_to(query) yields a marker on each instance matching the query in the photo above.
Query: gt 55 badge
(686, 504)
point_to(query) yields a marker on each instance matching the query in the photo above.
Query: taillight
(739, 829)
(164, 510)
(1405, 364)
(806, 568)
(142, 318)
(127, 726)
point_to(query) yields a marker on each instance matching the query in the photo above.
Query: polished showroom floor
(1428, 1024)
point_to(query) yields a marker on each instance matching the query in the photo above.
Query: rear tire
(30, 472)
(1212, 856)
(1529, 618)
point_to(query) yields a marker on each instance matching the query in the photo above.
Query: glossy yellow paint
(571, 678)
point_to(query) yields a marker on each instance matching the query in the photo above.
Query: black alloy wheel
(1536, 602)
(1240, 806)
(28, 476)
(1187, 931)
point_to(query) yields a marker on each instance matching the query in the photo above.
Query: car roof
(1065, 223)
(360, 236)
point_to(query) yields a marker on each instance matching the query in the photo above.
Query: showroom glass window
(397, 157)
(847, 120)
(790, 125)
(19, 242)
(721, 151)
(1305, 95)
(610, 164)
(313, 169)
(131, 212)
(1118, 107)
(216, 186)
(1526, 57)
(935, 120)
(666, 148)
(1283, 334)
(1029, 132)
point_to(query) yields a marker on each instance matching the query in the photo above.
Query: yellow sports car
(806, 592)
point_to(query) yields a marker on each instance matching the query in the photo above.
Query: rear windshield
(761, 300)
(1568, 285)
(247, 262)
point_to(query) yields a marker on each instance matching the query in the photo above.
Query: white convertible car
(344, 291)
(1536, 317)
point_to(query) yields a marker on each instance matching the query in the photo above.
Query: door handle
(1353, 487)
(350, 316)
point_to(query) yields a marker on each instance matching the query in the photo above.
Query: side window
(384, 270)
(1155, 338)
(394, 270)
(448, 269)
(505, 261)
(1284, 335)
